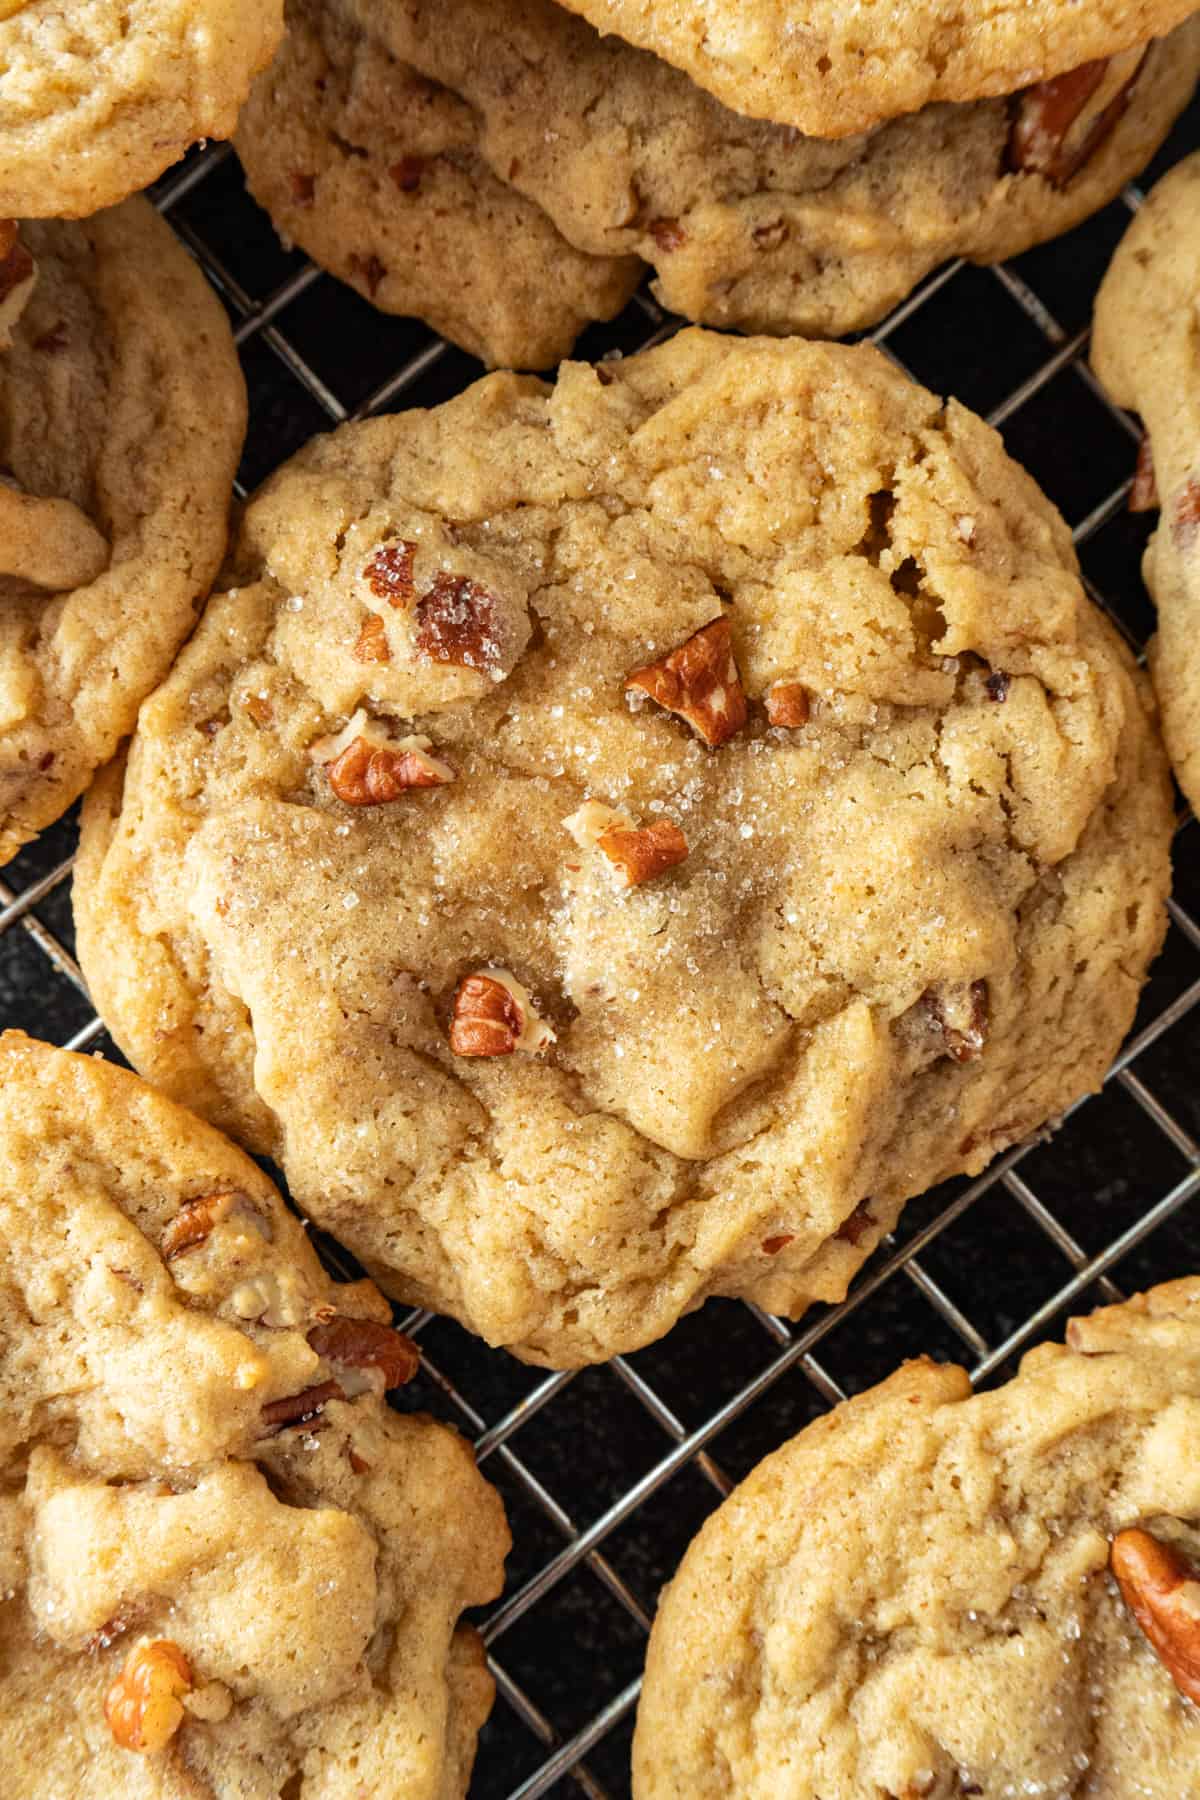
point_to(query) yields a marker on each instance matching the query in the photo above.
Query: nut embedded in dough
(1060, 123)
(366, 1344)
(144, 1705)
(1162, 1591)
(494, 1015)
(372, 774)
(700, 681)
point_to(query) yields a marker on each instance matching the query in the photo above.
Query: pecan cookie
(932, 1594)
(750, 224)
(615, 843)
(833, 69)
(228, 1566)
(98, 98)
(1144, 351)
(122, 412)
(376, 172)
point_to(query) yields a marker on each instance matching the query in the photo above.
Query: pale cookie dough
(195, 1451)
(98, 97)
(832, 69)
(912, 1600)
(567, 1006)
(376, 173)
(122, 412)
(1145, 352)
(749, 224)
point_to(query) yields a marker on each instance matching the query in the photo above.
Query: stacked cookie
(438, 154)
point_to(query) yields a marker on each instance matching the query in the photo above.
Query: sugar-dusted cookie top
(615, 842)
(122, 411)
(1144, 351)
(98, 97)
(933, 1594)
(228, 1566)
(832, 69)
(752, 224)
(376, 172)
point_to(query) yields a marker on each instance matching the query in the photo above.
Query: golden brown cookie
(832, 69)
(376, 172)
(751, 224)
(1144, 351)
(228, 1567)
(614, 843)
(122, 411)
(937, 1595)
(98, 97)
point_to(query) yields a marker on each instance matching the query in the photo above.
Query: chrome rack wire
(608, 1472)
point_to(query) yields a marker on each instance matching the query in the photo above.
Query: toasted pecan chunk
(1058, 125)
(700, 682)
(458, 622)
(1161, 1588)
(639, 854)
(298, 1409)
(192, 1224)
(493, 1015)
(389, 574)
(960, 1017)
(788, 704)
(366, 1344)
(368, 774)
(371, 645)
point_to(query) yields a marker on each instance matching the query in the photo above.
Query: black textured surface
(971, 1263)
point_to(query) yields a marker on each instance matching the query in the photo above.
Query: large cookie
(376, 172)
(1144, 351)
(227, 1566)
(736, 713)
(928, 1595)
(98, 97)
(832, 69)
(750, 224)
(122, 412)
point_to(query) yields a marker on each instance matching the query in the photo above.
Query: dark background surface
(1114, 1181)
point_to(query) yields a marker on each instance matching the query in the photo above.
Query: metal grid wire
(608, 1472)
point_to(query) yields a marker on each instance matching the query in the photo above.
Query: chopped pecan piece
(298, 1409)
(389, 573)
(193, 1223)
(961, 1018)
(144, 1705)
(700, 682)
(1162, 1591)
(997, 685)
(369, 269)
(365, 1344)
(773, 1245)
(788, 704)
(1143, 495)
(668, 234)
(1059, 124)
(370, 774)
(457, 623)
(1185, 514)
(639, 855)
(371, 645)
(855, 1226)
(303, 187)
(770, 235)
(493, 1015)
(407, 173)
(634, 854)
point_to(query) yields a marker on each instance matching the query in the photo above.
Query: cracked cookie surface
(748, 223)
(376, 172)
(841, 69)
(98, 98)
(1144, 349)
(913, 1597)
(479, 743)
(122, 412)
(195, 1451)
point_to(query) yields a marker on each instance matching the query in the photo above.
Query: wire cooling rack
(607, 1473)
